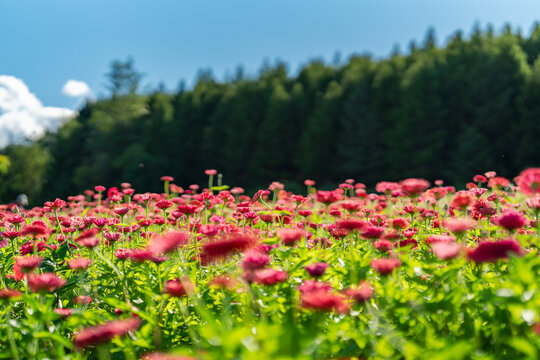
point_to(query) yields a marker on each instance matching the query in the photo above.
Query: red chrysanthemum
(101, 334)
(385, 266)
(491, 251)
(45, 282)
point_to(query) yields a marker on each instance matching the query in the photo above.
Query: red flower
(167, 178)
(328, 197)
(498, 181)
(488, 251)
(164, 204)
(178, 287)
(511, 220)
(462, 200)
(141, 255)
(168, 242)
(121, 211)
(45, 282)
(27, 264)
(373, 232)
(324, 301)
(385, 266)
(254, 260)
(269, 276)
(360, 294)
(35, 230)
(317, 269)
(413, 187)
(9, 294)
(351, 224)
(383, 245)
(101, 334)
(227, 246)
(290, 236)
(314, 285)
(122, 254)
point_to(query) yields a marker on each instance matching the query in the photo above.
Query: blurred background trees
(436, 112)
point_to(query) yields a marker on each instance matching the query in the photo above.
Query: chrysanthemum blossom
(511, 220)
(351, 224)
(46, 282)
(529, 181)
(225, 247)
(168, 242)
(413, 187)
(385, 266)
(491, 251)
(446, 250)
(317, 269)
(290, 237)
(459, 225)
(27, 264)
(178, 287)
(362, 293)
(269, 276)
(101, 334)
(322, 300)
(254, 260)
(79, 263)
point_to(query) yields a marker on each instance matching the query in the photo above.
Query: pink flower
(27, 264)
(79, 263)
(269, 276)
(459, 225)
(383, 245)
(167, 178)
(529, 181)
(446, 250)
(361, 293)
(324, 301)
(210, 172)
(254, 260)
(168, 242)
(290, 236)
(385, 266)
(413, 187)
(45, 282)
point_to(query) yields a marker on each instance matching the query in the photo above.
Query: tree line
(445, 112)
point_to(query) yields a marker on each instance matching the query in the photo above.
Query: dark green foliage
(468, 107)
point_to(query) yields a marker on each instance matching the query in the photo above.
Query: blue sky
(45, 43)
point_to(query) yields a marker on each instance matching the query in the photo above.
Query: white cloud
(75, 88)
(22, 115)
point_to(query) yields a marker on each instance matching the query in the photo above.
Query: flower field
(412, 270)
